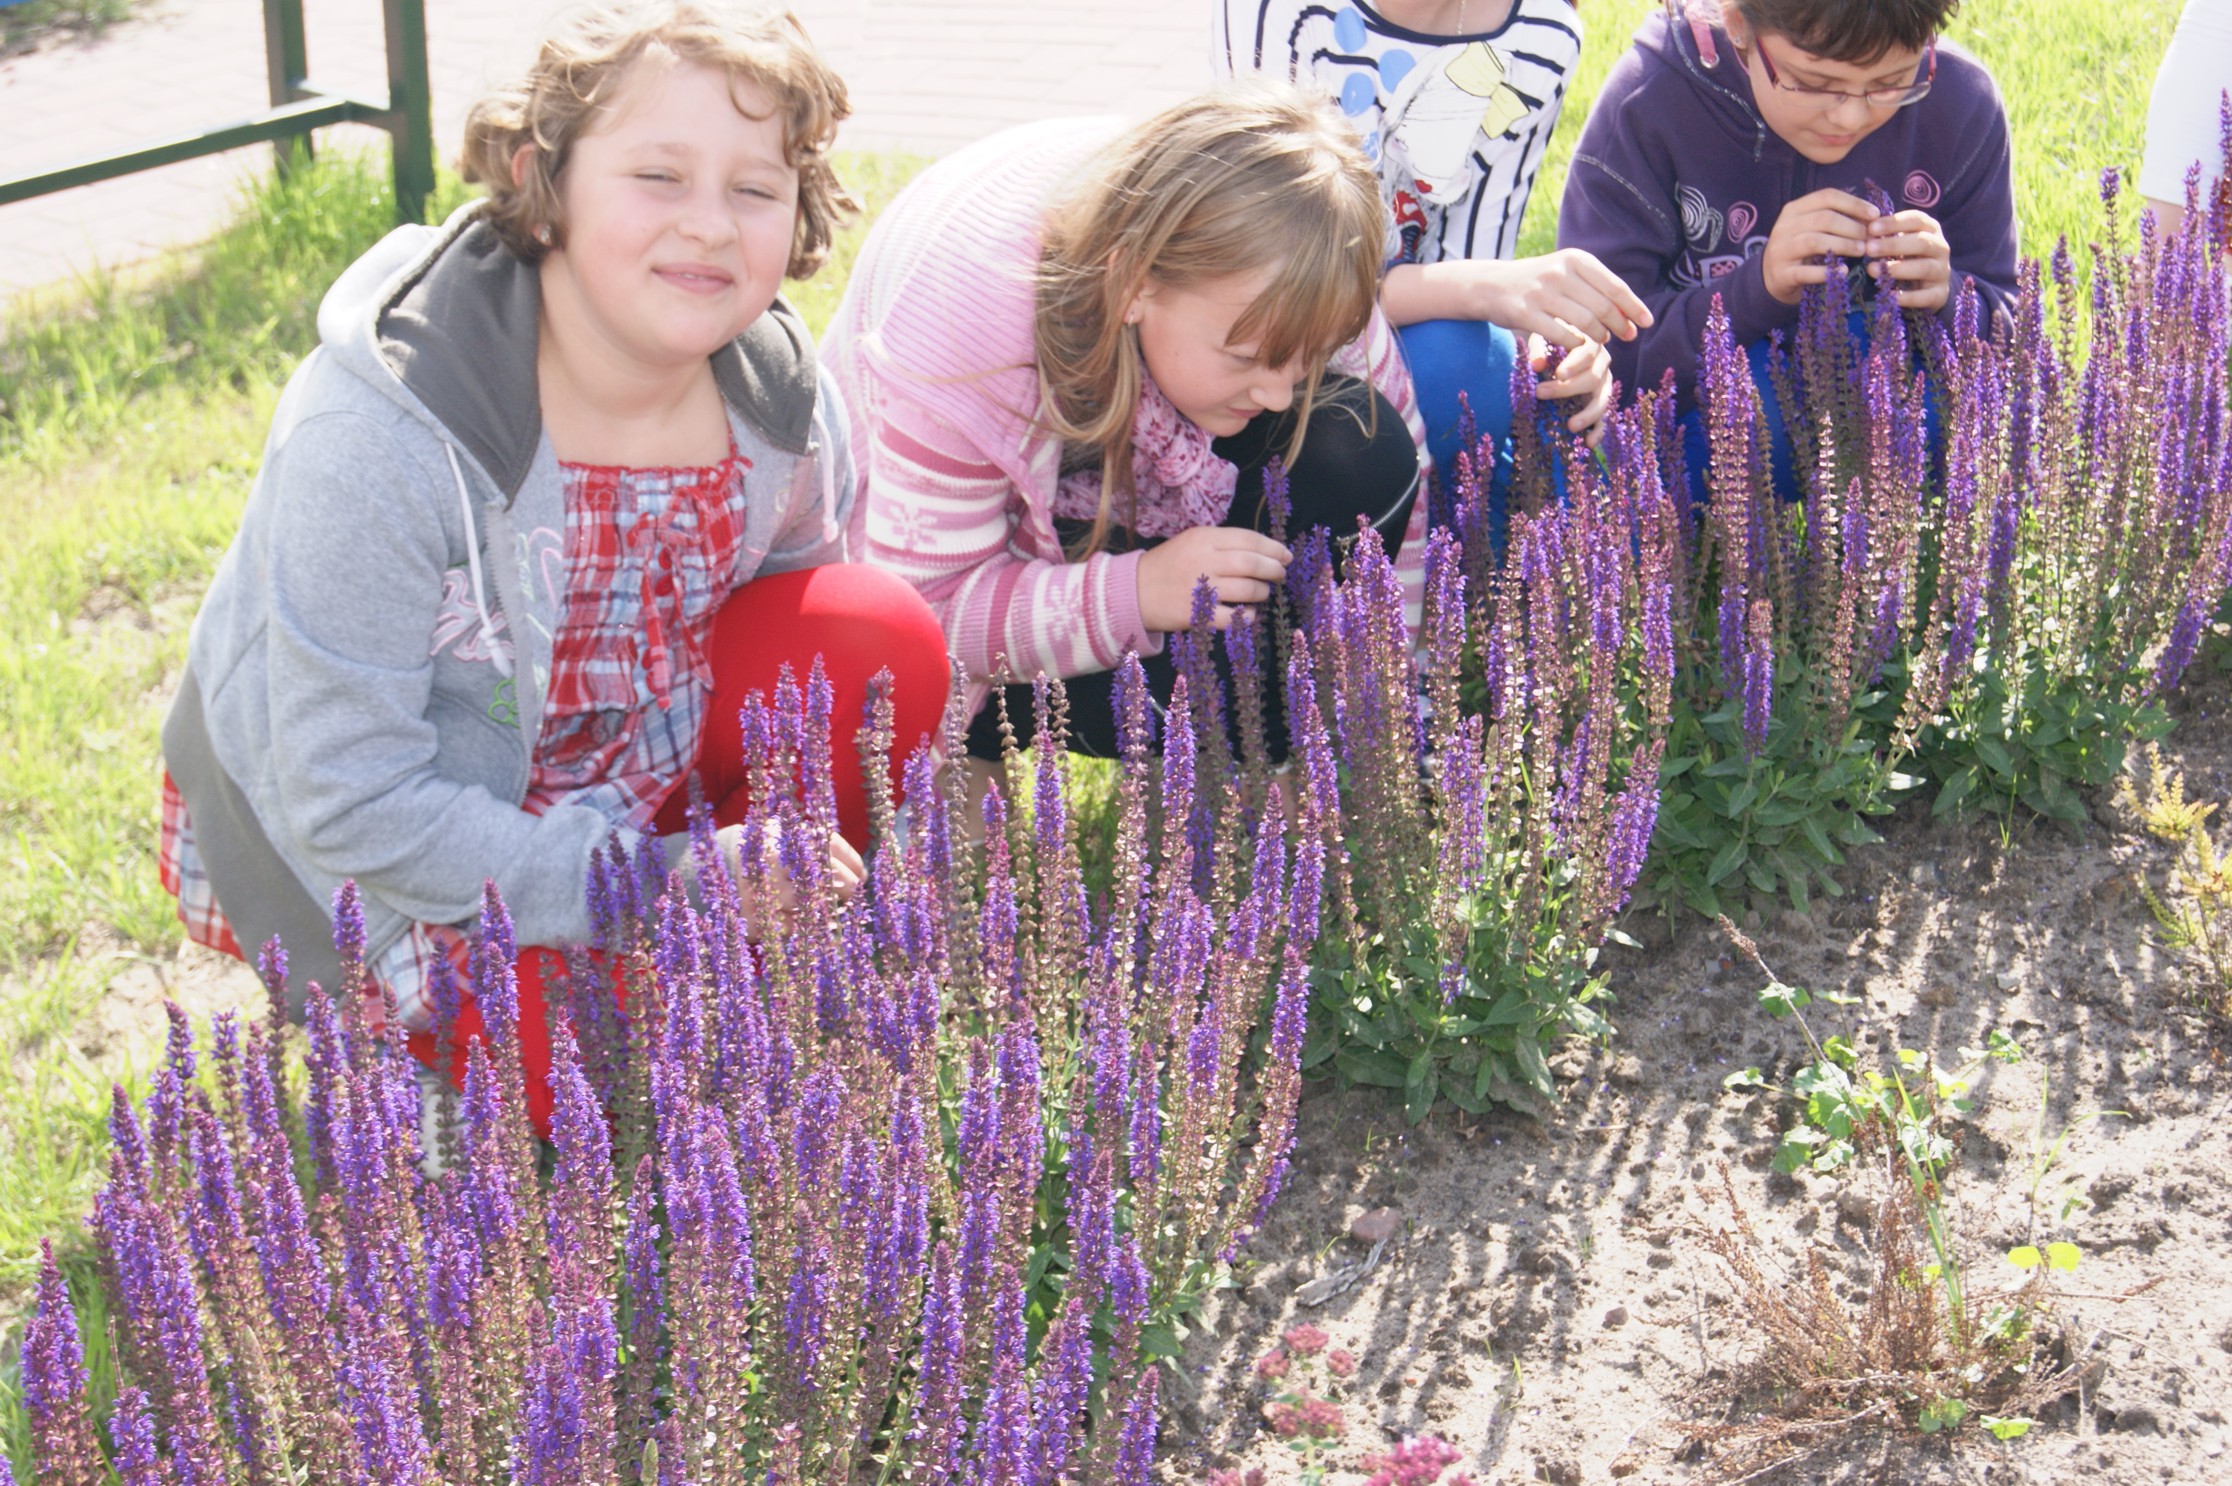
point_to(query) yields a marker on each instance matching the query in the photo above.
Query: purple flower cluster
(1482, 799)
(1987, 500)
(807, 1166)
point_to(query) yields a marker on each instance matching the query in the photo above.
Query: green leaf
(1852, 830)
(1941, 1413)
(1457, 1093)
(1779, 1000)
(1159, 1340)
(1375, 1067)
(1744, 1079)
(1532, 1067)
(1512, 1009)
(1740, 799)
(1418, 1099)
(1956, 790)
(1725, 862)
(2058, 801)
(1995, 756)
(2062, 1256)
(1818, 838)
(2025, 1256)
(2006, 1428)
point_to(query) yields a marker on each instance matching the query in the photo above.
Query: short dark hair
(1855, 31)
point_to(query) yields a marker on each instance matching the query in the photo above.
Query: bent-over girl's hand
(1241, 565)
(1584, 372)
(1907, 251)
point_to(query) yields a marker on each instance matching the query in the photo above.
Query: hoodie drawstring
(473, 564)
(828, 465)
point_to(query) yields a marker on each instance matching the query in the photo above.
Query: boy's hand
(1240, 564)
(1565, 298)
(1822, 224)
(1586, 373)
(1908, 252)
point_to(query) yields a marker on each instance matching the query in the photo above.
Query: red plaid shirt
(651, 556)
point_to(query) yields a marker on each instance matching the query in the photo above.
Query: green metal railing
(296, 109)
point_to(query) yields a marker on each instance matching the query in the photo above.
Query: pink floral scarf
(1181, 481)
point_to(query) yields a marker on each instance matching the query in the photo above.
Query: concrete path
(926, 76)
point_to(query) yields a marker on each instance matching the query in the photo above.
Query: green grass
(132, 414)
(26, 26)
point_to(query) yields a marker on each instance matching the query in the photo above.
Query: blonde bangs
(1320, 299)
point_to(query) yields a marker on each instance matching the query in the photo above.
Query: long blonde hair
(584, 64)
(1252, 176)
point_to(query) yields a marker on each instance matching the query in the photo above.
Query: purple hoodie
(1677, 182)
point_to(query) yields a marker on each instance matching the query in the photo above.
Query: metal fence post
(410, 100)
(287, 61)
(296, 108)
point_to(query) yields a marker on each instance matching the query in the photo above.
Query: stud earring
(542, 234)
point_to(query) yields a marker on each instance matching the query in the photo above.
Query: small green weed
(2165, 812)
(1923, 1348)
(2194, 916)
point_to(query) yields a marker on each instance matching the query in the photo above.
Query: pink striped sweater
(932, 351)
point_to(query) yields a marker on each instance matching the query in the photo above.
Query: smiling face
(1822, 129)
(679, 211)
(1186, 339)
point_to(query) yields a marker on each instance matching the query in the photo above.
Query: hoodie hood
(444, 322)
(1692, 46)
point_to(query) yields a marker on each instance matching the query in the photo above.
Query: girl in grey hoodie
(561, 482)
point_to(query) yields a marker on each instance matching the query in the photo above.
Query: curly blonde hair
(1251, 176)
(584, 64)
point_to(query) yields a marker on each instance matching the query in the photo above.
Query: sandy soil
(1548, 1305)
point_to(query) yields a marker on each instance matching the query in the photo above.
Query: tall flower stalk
(1480, 799)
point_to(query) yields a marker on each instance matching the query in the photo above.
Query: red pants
(860, 620)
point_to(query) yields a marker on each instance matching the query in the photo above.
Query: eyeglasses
(1898, 97)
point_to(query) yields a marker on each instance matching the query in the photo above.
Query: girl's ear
(520, 160)
(1136, 310)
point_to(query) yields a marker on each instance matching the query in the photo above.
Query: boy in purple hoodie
(1734, 149)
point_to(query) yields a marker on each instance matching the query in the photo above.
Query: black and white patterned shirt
(1456, 125)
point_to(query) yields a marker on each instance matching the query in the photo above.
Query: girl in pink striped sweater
(1069, 351)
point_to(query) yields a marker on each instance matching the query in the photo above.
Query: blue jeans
(1472, 358)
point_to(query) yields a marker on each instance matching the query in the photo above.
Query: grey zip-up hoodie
(366, 677)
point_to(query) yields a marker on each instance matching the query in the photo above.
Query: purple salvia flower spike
(63, 1449)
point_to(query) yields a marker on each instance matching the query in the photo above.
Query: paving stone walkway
(926, 76)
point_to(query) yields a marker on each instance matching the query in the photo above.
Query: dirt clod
(1376, 1227)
